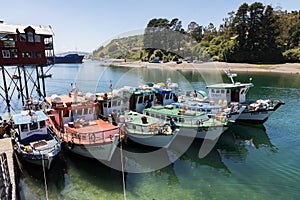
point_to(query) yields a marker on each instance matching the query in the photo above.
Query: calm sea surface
(247, 162)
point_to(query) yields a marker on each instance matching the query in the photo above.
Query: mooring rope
(122, 165)
(45, 180)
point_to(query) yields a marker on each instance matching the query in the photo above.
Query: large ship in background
(69, 58)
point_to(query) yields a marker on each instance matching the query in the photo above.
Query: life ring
(92, 137)
(70, 144)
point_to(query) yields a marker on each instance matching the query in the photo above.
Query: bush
(292, 55)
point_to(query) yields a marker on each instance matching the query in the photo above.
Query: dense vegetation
(253, 34)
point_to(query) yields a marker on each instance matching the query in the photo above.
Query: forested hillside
(255, 33)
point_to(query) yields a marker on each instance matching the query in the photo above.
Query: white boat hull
(158, 140)
(255, 117)
(43, 161)
(209, 133)
(103, 151)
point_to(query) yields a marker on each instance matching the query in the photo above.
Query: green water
(247, 162)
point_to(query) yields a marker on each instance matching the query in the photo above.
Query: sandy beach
(292, 68)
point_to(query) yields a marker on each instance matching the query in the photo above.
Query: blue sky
(84, 25)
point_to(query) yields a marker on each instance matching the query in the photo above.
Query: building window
(26, 54)
(22, 37)
(5, 54)
(30, 37)
(37, 38)
(38, 54)
(14, 53)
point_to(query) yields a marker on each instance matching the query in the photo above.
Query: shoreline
(291, 68)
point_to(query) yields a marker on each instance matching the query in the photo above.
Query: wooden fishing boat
(75, 120)
(256, 112)
(33, 140)
(195, 124)
(147, 130)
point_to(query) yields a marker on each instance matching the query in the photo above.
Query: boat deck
(95, 132)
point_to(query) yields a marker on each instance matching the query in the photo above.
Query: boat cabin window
(227, 91)
(222, 91)
(33, 126)
(114, 103)
(85, 111)
(140, 100)
(42, 124)
(107, 104)
(151, 97)
(24, 127)
(91, 110)
(79, 112)
(66, 113)
(167, 96)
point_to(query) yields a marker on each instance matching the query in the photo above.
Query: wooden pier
(7, 172)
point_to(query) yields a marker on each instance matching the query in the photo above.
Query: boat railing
(90, 138)
(153, 129)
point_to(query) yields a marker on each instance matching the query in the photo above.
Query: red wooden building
(22, 46)
(26, 45)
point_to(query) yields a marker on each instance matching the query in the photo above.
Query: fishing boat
(256, 112)
(74, 118)
(147, 130)
(33, 140)
(136, 98)
(196, 124)
(69, 58)
(231, 111)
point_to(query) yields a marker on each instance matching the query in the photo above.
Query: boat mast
(230, 75)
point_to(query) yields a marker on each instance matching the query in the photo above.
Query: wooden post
(5, 89)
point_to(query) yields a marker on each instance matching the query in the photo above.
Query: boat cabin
(31, 126)
(228, 92)
(142, 98)
(65, 110)
(108, 104)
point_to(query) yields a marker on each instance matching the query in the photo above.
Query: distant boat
(69, 58)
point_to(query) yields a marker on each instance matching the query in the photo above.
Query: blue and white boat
(33, 140)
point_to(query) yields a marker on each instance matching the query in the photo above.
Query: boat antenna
(227, 71)
(230, 75)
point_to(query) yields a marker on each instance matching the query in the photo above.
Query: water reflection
(236, 142)
(212, 159)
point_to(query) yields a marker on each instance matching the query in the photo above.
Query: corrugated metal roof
(12, 29)
(25, 118)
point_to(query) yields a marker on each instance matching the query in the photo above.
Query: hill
(121, 48)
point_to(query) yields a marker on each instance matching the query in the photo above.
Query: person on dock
(6, 128)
